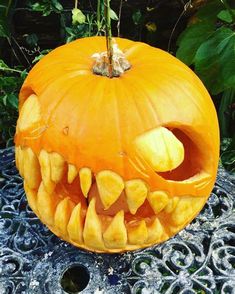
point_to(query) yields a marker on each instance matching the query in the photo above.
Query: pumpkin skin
(85, 145)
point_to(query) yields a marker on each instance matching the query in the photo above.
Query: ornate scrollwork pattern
(200, 259)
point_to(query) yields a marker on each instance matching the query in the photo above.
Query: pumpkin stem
(102, 64)
(111, 63)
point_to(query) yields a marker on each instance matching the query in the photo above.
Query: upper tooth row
(110, 184)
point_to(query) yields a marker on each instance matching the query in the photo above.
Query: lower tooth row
(70, 222)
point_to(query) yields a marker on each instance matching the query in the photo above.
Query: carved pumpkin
(115, 164)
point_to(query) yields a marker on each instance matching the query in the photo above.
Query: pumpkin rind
(85, 148)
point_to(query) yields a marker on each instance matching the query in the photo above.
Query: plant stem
(76, 4)
(8, 7)
(108, 30)
(98, 15)
(10, 69)
(119, 18)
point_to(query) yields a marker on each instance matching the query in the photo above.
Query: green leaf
(37, 58)
(228, 159)
(225, 143)
(24, 74)
(37, 6)
(3, 65)
(113, 15)
(13, 100)
(78, 16)
(225, 16)
(191, 39)
(3, 31)
(137, 17)
(46, 7)
(209, 11)
(32, 40)
(57, 5)
(5, 18)
(224, 113)
(215, 61)
(4, 100)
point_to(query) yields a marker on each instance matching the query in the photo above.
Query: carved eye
(29, 114)
(173, 154)
(161, 149)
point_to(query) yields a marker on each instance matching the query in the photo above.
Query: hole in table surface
(75, 279)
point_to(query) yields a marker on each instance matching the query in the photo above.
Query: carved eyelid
(160, 148)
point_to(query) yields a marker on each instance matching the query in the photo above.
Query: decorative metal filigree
(200, 259)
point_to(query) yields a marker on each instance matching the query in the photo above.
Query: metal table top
(200, 259)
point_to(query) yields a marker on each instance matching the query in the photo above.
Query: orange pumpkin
(115, 164)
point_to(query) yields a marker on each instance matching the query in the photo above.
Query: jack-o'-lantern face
(115, 164)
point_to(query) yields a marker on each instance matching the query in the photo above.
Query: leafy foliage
(226, 116)
(46, 7)
(4, 8)
(189, 44)
(78, 16)
(215, 60)
(209, 45)
(78, 24)
(9, 87)
(41, 55)
(82, 26)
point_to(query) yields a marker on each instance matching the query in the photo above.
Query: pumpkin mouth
(84, 208)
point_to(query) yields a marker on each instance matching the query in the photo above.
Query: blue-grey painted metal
(200, 259)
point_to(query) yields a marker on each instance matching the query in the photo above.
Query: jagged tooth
(185, 209)
(136, 193)
(161, 149)
(46, 204)
(72, 173)
(32, 173)
(155, 232)
(57, 166)
(115, 235)
(31, 197)
(44, 161)
(138, 233)
(92, 233)
(21, 161)
(62, 215)
(158, 200)
(29, 114)
(75, 225)
(85, 176)
(171, 204)
(110, 186)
